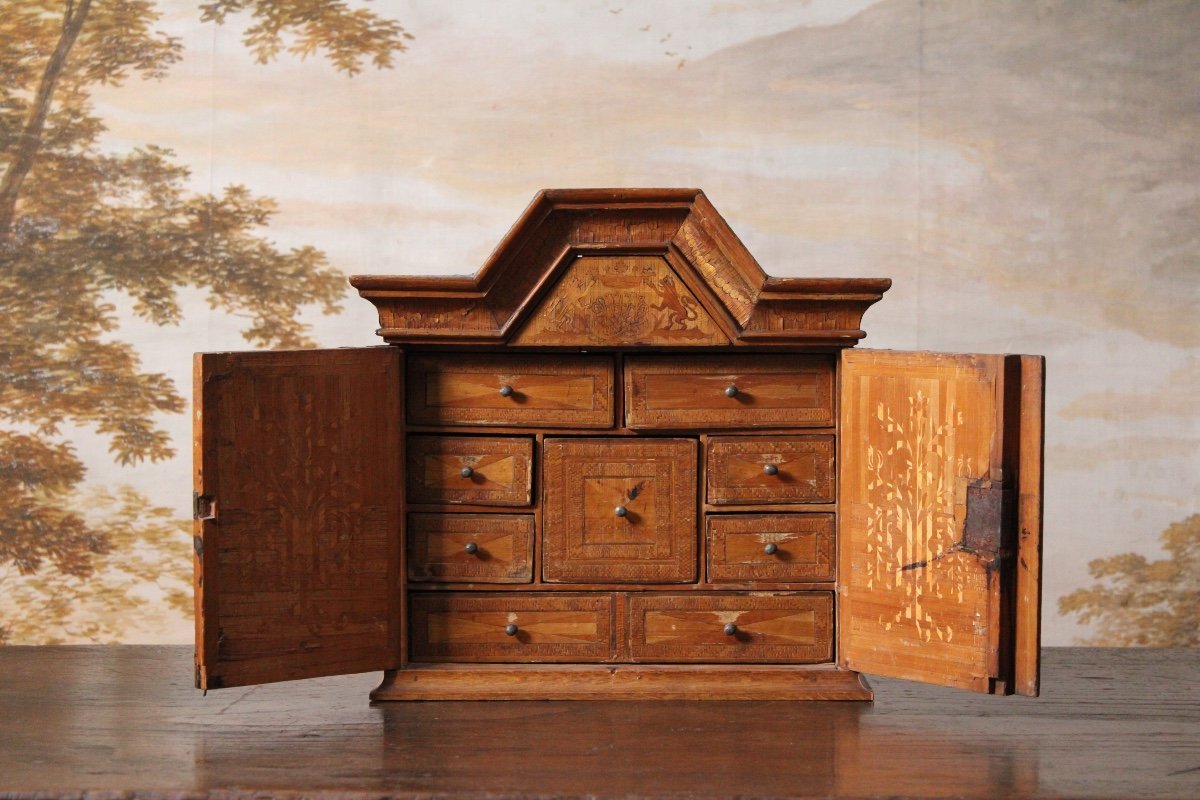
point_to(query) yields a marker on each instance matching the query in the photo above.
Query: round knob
(506, 390)
(621, 511)
(730, 629)
(771, 549)
(770, 469)
(731, 391)
(466, 472)
(471, 548)
(510, 629)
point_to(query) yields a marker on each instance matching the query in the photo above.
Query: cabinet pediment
(621, 267)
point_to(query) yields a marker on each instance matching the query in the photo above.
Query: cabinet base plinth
(620, 682)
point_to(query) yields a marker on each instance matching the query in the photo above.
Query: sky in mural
(1027, 175)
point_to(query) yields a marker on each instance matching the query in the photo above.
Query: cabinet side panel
(298, 541)
(920, 588)
(1027, 675)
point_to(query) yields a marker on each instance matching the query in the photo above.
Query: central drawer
(620, 510)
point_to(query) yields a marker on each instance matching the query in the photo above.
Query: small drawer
(770, 469)
(619, 510)
(470, 469)
(716, 392)
(518, 391)
(514, 626)
(770, 547)
(764, 628)
(472, 548)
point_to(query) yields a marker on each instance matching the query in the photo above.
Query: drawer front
(770, 469)
(519, 391)
(770, 547)
(716, 392)
(470, 469)
(545, 627)
(620, 511)
(749, 628)
(483, 548)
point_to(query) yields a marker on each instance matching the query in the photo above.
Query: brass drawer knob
(771, 549)
(770, 469)
(506, 390)
(466, 472)
(731, 391)
(510, 629)
(730, 629)
(471, 548)
(621, 511)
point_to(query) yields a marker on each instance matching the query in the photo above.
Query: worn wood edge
(620, 682)
(1028, 637)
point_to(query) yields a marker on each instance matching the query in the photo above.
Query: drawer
(619, 510)
(716, 392)
(470, 469)
(483, 548)
(514, 626)
(748, 628)
(770, 547)
(519, 391)
(770, 469)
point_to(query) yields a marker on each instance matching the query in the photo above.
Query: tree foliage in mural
(82, 230)
(1136, 602)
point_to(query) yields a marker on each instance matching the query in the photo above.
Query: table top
(125, 719)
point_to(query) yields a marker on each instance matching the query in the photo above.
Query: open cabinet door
(298, 514)
(939, 543)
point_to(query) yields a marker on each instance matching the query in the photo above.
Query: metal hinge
(989, 513)
(203, 506)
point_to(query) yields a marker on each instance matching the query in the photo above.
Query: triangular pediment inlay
(626, 299)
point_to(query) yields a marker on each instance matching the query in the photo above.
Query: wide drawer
(518, 391)
(770, 469)
(770, 547)
(476, 548)
(747, 628)
(715, 392)
(512, 627)
(470, 469)
(619, 510)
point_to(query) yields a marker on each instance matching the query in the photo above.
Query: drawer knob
(466, 472)
(771, 548)
(731, 391)
(506, 390)
(621, 511)
(471, 548)
(730, 629)
(510, 629)
(770, 469)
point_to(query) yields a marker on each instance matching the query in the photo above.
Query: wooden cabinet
(619, 462)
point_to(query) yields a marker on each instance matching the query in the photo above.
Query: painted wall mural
(183, 175)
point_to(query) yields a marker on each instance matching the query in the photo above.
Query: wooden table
(125, 720)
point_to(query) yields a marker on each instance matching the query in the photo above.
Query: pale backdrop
(1026, 173)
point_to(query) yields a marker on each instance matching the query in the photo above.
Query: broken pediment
(621, 267)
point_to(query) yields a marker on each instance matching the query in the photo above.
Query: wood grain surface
(770, 547)
(770, 469)
(488, 548)
(546, 392)
(298, 530)
(470, 470)
(675, 392)
(652, 481)
(124, 721)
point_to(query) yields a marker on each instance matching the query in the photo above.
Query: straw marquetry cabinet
(620, 461)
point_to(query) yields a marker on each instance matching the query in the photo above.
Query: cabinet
(620, 461)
